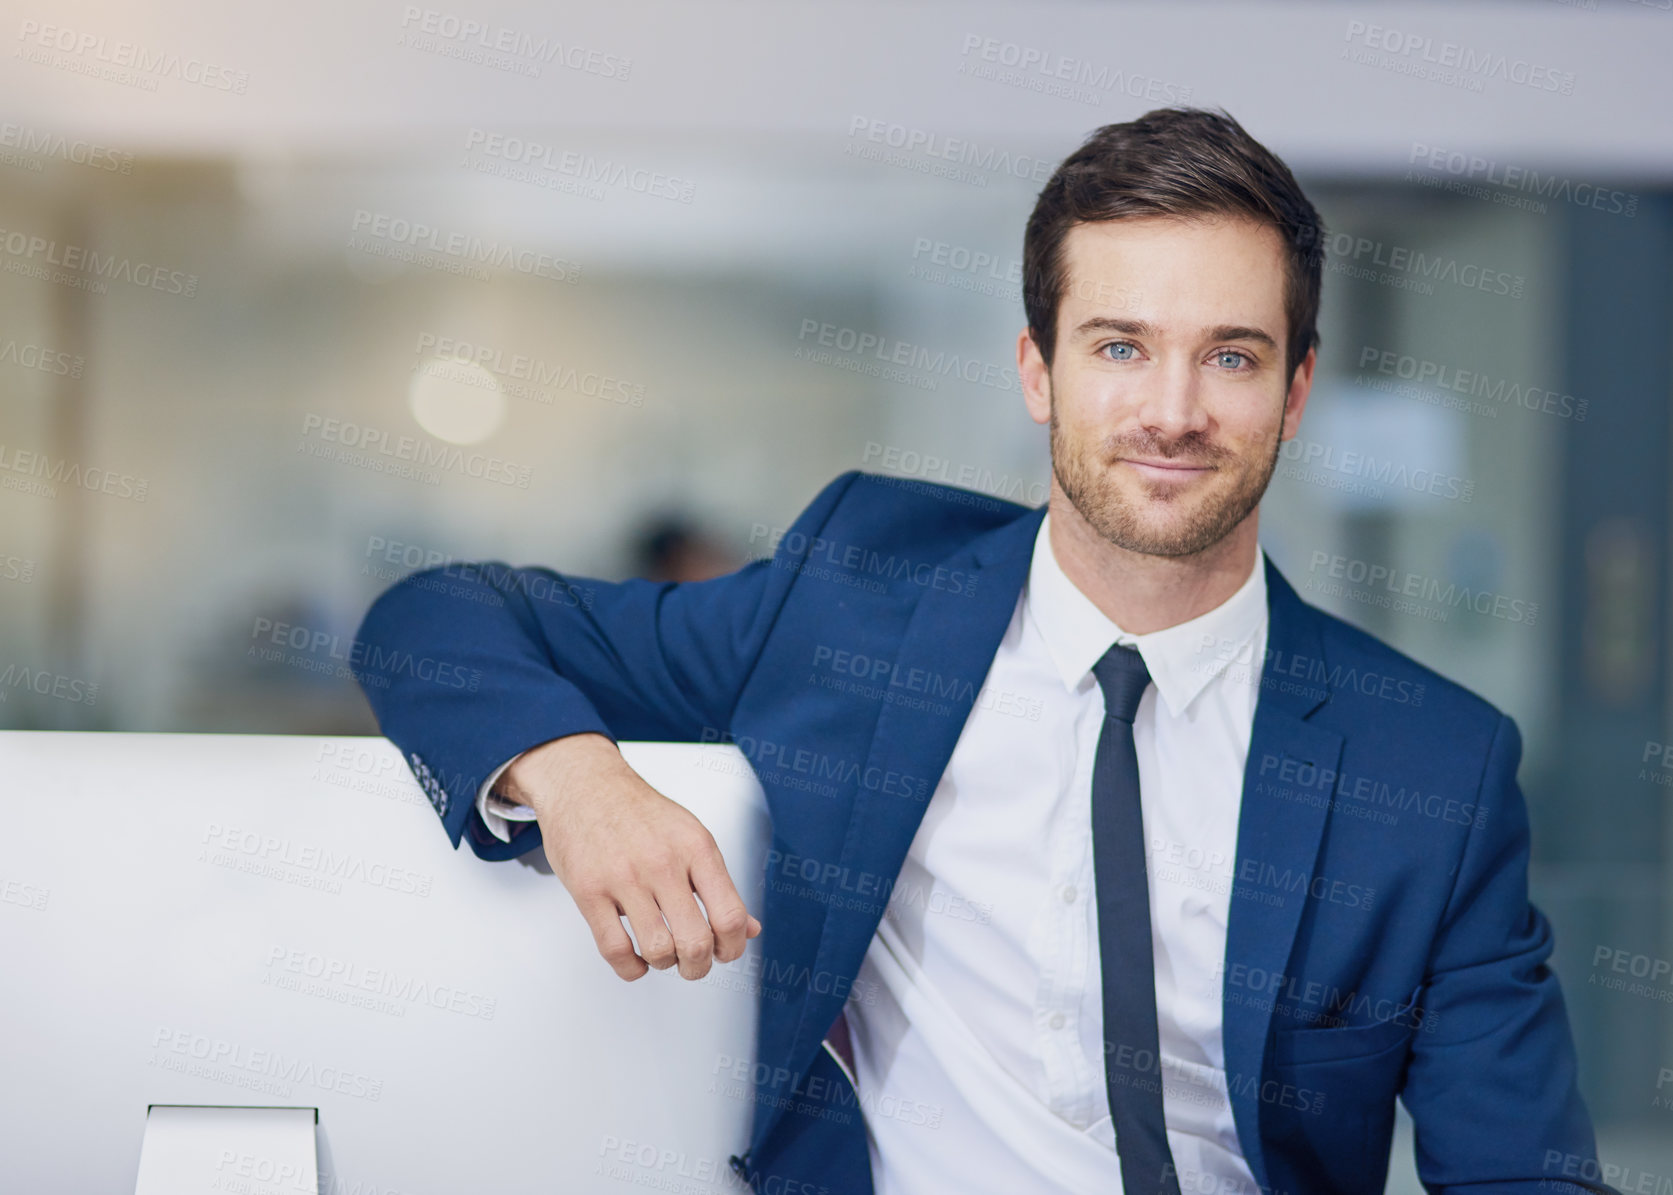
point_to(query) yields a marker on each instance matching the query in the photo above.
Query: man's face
(1167, 395)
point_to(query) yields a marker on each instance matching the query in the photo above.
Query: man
(1100, 860)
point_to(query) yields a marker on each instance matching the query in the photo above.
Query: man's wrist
(539, 777)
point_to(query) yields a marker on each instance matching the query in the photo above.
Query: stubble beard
(1092, 490)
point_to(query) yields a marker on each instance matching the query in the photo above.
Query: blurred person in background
(670, 547)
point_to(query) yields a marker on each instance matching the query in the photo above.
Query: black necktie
(1132, 1066)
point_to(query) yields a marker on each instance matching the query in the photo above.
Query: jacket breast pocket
(1346, 1078)
(1298, 1047)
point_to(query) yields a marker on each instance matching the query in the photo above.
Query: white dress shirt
(494, 812)
(979, 1063)
(989, 1028)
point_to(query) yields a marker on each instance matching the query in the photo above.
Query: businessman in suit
(1100, 860)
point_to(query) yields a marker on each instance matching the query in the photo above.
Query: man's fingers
(652, 863)
(728, 918)
(656, 944)
(693, 939)
(605, 920)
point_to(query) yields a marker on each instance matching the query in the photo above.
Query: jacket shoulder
(929, 515)
(1400, 693)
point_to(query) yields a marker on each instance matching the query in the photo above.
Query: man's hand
(622, 848)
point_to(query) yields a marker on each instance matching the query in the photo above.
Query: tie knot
(1122, 676)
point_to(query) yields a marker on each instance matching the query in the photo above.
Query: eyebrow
(1138, 327)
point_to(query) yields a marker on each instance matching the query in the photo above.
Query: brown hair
(1178, 161)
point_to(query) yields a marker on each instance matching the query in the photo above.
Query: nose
(1172, 404)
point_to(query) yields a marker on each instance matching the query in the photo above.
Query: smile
(1165, 470)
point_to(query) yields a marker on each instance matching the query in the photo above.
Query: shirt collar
(1181, 659)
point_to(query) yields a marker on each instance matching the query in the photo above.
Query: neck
(1142, 593)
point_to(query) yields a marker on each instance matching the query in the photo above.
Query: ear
(1301, 385)
(1035, 377)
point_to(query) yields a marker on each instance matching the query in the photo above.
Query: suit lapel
(950, 634)
(945, 634)
(1280, 826)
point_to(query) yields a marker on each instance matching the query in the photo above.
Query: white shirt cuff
(497, 814)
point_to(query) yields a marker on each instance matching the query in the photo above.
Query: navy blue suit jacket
(1380, 944)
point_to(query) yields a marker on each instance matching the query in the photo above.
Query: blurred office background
(215, 363)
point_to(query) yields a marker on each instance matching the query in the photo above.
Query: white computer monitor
(259, 920)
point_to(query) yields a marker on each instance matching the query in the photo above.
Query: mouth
(1165, 470)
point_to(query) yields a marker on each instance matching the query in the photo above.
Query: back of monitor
(255, 920)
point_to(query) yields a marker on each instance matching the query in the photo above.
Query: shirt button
(1069, 894)
(1057, 1020)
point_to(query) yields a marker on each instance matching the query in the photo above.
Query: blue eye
(1120, 344)
(1242, 357)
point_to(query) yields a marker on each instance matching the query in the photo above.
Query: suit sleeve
(465, 666)
(1491, 1085)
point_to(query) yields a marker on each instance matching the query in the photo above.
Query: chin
(1173, 526)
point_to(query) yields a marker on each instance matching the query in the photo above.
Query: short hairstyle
(1180, 161)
